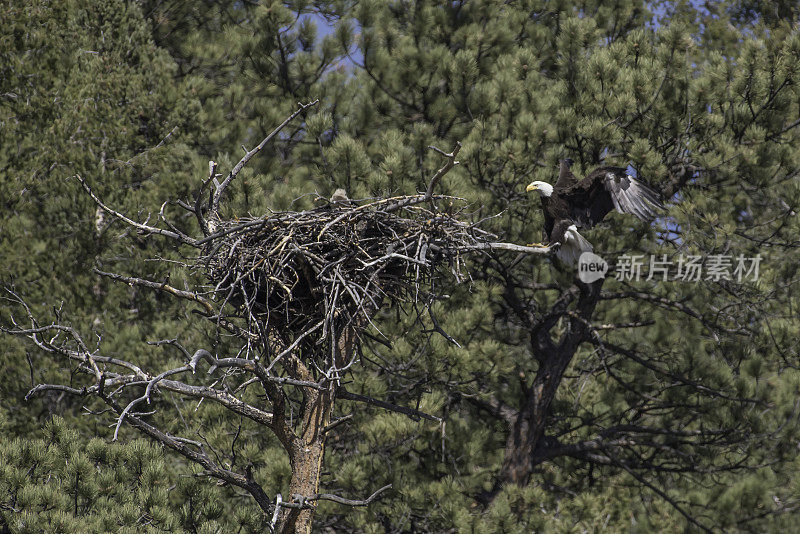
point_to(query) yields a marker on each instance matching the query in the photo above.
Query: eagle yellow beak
(532, 187)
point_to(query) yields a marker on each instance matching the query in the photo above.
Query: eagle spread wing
(565, 177)
(607, 188)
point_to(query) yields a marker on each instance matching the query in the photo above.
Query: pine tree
(85, 91)
(658, 406)
(655, 386)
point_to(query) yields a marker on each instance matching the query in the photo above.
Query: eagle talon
(538, 245)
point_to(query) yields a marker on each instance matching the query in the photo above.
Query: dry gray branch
(220, 189)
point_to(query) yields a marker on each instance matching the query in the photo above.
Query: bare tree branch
(451, 162)
(220, 189)
(346, 395)
(183, 238)
(301, 501)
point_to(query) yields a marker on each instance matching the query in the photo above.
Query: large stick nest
(310, 274)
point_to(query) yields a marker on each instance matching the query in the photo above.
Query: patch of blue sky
(327, 26)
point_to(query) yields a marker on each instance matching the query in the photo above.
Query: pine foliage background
(702, 100)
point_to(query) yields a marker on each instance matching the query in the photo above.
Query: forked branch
(451, 162)
(220, 188)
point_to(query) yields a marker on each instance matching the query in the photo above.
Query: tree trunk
(527, 434)
(306, 458)
(307, 451)
(528, 430)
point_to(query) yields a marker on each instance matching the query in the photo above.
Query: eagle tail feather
(574, 245)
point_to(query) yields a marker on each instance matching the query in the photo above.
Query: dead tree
(293, 292)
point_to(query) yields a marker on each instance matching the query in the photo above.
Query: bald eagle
(340, 198)
(571, 204)
(340, 195)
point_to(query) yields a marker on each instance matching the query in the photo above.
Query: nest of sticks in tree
(306, 276)
(307, 283)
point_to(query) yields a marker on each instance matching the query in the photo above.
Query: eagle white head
(543, 188)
